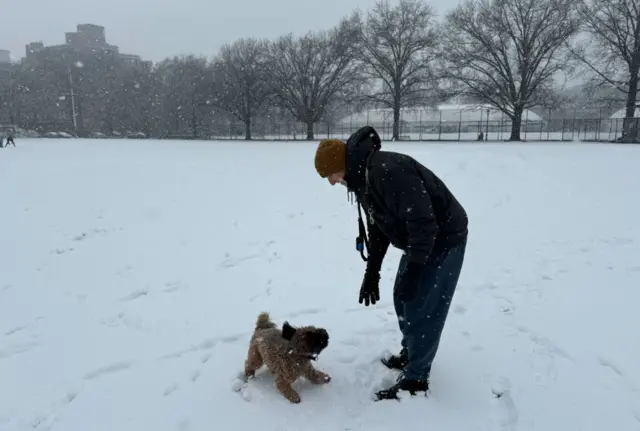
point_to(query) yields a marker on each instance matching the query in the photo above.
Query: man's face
(337, 177)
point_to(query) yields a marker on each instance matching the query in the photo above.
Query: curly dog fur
(287, 352)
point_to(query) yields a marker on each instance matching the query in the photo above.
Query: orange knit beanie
(331, 157)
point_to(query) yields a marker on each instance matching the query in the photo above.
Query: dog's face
(307, 341)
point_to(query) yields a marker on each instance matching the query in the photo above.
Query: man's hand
(370, 290)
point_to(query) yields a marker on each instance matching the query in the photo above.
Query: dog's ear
(288, 331)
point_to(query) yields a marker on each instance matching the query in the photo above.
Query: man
(10, 140)
(409, 207)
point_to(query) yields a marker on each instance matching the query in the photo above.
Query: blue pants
(422, 319)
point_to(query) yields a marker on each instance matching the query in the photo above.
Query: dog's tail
(264, 321)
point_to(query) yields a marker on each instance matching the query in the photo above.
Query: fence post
(486, 136)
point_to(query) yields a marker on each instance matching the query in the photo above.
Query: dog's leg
(253, 362)
(316, 376)
(284, 386)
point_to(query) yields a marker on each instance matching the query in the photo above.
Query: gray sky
(156, 29)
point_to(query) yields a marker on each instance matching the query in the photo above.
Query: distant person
(10, 138)
(408, 206)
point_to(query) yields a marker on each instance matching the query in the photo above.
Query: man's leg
(398, 362)
(427, 313)
(425, 318)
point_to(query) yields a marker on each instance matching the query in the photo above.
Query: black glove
(409, 281)
(370, 290)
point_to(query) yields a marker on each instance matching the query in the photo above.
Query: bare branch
(611, 56)
(398, 49)
(309, 73)
(241, 84)
(508, 52)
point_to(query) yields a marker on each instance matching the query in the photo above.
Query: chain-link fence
(451, 125)
(444, 124)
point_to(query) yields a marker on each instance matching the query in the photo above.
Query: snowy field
(132, 272)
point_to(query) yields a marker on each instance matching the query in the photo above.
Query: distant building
(87, 39)
(6, 66)
(87, 35)
(5, 56)
(33, 48)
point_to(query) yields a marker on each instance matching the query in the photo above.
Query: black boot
(397, 362)
(413, 386)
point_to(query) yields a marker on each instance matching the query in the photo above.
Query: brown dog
(287, 353)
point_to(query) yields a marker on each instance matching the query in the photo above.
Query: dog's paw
(237, 385)
(295, 399)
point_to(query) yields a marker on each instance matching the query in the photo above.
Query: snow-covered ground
(132, 272)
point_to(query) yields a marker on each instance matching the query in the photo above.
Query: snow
(132, 272)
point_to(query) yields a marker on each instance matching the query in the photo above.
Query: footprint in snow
(62, 250)
(352, 342)
(305, 312)
(195, 375)
(173, 286)
(170, 389)
(459, 309)
(606, 363)
(230, 262)
(505, 412)
(206, 344)
(16, 329)
(135, 295)
(92, 232)
(17, 348)
(108, 369)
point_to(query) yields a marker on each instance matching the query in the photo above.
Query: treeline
(511, 54)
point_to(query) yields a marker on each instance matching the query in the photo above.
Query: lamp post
(73, 103)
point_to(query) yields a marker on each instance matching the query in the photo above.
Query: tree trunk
(396, 121)
(516, 124)
(194, 120)
(630, 125)
(247, 129)
(309, 130)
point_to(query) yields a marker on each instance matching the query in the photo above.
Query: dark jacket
(407, 205)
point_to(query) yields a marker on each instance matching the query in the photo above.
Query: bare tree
(398, 48)
(133, 99)
(611, 53)
(186, 86)
(241, 86)
(508, 52)
(310, 72)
